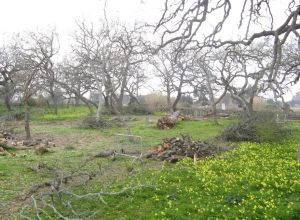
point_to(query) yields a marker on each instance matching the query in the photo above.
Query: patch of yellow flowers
(254, 181)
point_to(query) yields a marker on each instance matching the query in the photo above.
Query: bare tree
(174, 71)
(207, 77)
(10, 64)
(114, 56)
(35, 50)
(48, 47)
(74, 79)
(182, 21)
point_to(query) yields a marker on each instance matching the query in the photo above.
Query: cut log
(105, 153)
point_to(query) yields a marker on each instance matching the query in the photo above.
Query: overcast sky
(27, 15)
(23, 15)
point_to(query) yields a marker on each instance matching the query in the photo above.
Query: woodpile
(4, 138)
(174, 149)
(7, 140)
(168, 122)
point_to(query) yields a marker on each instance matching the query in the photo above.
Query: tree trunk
(215, 116)
(26, 120)
(174, 106)
(54, 100)
(55, 105)
(7, 102)
(77, 100)
(211, 95)
(7, 97)
(169, 100)
(98, 113)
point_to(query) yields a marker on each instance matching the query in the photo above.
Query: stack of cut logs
(168, 122)
(174, 149)
(8, 140)
(4, 137)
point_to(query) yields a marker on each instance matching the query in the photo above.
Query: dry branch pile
(168, 122)
(174, 149)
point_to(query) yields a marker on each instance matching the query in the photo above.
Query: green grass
(254, 181)
(65, 113)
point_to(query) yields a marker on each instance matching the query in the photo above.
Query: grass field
(253, 181)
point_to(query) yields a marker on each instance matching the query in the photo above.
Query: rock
(40, 150)
(2, 149)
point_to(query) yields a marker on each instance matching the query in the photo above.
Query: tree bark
(98, 113)
(26, 120)
(7, 98)
(178, 97)
(169, 99)
(76, 100)
(211, 97)
(54, 100)
(7, 102)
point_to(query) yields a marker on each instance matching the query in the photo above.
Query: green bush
(261, 127)
(91, 122)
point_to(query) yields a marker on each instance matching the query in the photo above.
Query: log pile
(8, 140)
(174, 149)
(168, 122)
(4, 138)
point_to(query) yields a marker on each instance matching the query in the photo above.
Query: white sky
(27, 15)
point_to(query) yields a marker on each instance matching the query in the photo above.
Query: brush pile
(174, 149)
(168, 122)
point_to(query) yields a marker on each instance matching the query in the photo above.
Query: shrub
(91, 122)
(261, 127)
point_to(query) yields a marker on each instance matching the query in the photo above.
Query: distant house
(296, 100)
(228, 103)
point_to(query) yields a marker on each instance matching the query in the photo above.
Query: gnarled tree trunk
(26, 120)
